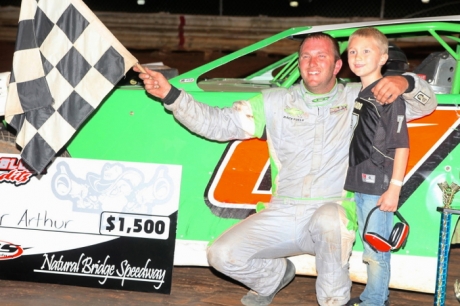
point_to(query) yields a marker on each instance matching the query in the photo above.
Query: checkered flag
(66, 61)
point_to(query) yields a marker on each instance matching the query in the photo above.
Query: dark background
(388, 9)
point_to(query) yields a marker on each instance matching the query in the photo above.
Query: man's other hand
(389, 88)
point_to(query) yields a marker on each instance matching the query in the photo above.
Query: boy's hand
(389, 199)
(155, 83)
(389, 88)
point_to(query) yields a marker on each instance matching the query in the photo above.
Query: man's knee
(326, 219)
(330, 223)
(212, 254)
(219, 256)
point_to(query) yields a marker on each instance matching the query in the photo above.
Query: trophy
(448, 193)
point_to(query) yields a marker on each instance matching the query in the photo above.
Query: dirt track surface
(7, 143)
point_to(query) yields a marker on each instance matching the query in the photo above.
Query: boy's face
(365, 57)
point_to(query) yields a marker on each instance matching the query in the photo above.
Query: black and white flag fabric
(65, 62)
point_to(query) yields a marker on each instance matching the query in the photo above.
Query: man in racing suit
(308, 131)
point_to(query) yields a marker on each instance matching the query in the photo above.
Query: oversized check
(94, 223)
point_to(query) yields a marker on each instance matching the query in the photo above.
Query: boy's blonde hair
(380, 38)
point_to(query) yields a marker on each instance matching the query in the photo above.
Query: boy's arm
(389, 199)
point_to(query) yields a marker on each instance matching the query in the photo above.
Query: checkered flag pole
(65, 62)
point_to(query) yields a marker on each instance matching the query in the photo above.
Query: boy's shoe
(253, 299)
(356, 302)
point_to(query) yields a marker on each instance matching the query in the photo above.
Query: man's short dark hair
(319, 35)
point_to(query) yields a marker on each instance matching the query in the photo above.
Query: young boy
(378, 156)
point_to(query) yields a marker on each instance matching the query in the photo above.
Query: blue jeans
(378, 263)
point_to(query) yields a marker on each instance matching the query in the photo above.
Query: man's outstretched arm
(214, 123)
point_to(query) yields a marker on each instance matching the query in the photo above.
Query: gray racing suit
(308, 138)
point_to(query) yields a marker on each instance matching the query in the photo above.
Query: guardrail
(172, 32)
(164, 31)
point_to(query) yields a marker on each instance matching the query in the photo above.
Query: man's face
(318, 66)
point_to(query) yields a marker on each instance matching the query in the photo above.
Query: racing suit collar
(314, 100)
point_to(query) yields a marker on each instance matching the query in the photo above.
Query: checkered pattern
(66, 61)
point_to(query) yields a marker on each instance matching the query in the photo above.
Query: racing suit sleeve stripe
(258, 111)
